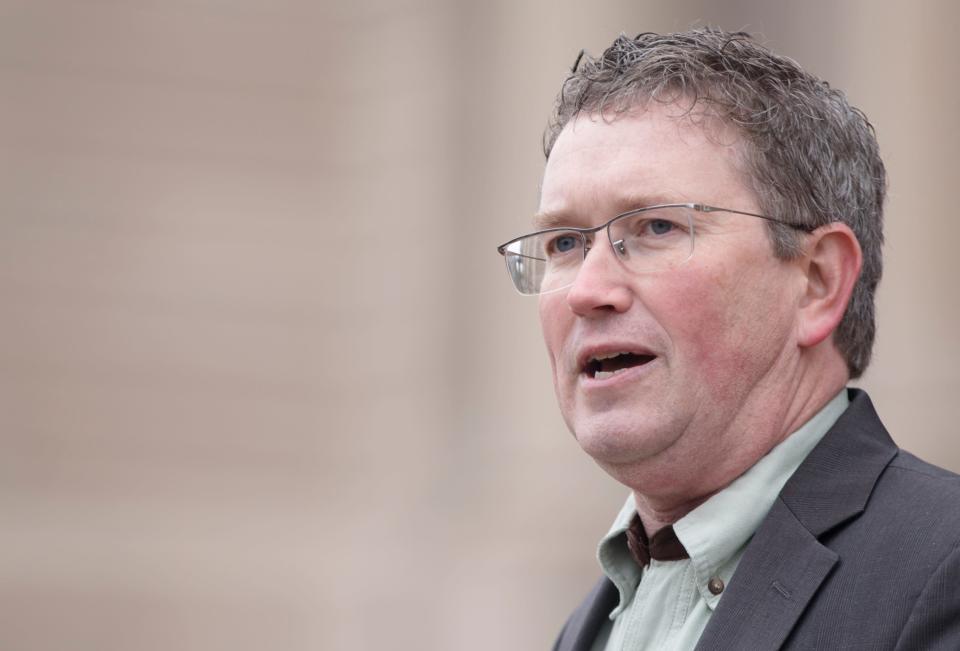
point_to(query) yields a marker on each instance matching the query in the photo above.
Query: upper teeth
(600, 358)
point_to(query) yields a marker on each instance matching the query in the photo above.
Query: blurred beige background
(264, 383)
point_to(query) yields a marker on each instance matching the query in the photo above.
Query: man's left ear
(831, 265)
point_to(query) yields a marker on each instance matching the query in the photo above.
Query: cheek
(554, 322)
(695, 316)
(713, 319)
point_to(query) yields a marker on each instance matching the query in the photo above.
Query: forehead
(601, 166)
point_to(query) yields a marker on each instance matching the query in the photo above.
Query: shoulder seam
(934, 475)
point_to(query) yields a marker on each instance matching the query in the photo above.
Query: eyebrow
(625, 203)
(546, 220)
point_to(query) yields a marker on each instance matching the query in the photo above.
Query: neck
(656, 515)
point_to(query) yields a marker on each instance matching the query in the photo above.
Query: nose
(600, 286)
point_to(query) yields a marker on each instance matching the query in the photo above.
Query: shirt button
(715, 585)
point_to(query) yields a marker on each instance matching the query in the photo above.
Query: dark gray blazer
(860, 551)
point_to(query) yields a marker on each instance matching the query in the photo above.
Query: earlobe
(831, 266)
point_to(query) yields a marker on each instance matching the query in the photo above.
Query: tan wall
(263, 381)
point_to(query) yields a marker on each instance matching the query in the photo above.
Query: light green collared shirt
(669, 608)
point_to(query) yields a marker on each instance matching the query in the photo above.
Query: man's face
(718, 332)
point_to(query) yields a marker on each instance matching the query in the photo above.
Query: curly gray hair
(811, 157)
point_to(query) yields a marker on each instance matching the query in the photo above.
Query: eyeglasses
(655, 238)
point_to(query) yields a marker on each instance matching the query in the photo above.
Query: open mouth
(609, 365)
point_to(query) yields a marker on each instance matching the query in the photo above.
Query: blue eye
(564, 243)
(661, 226)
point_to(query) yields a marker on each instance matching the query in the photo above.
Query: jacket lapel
(584, 624)
(779, 573)
(784, 564)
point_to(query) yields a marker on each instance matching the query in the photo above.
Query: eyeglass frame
(584, 232)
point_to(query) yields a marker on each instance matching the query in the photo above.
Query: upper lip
(590, 352)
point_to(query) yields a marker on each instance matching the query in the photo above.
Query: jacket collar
(835, 481)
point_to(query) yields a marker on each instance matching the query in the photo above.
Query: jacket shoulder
(941, 477)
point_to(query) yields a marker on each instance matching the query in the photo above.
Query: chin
(613, 443)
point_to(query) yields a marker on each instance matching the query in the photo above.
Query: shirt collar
(615, 558)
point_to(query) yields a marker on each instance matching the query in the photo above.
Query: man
(706, 254)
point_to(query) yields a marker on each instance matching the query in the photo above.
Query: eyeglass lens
(645, 241)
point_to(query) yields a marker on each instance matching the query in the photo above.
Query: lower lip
(625, 376)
